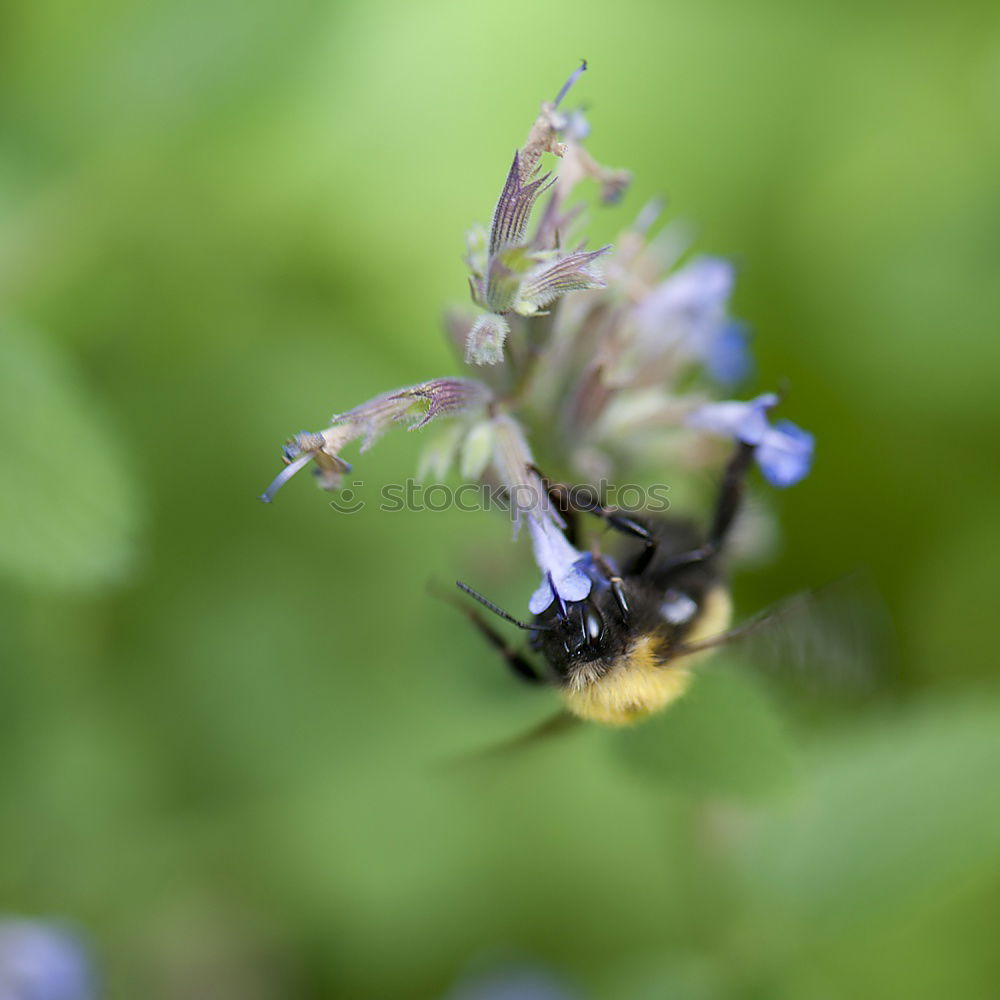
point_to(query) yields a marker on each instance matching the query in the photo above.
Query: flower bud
(486, 339)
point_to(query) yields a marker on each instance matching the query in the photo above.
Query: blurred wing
(832, 641)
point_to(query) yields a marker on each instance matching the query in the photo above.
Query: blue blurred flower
(785, 454)
(727, 353)
(687, 312)
(784, 451)
(517, 983)
(742, 421)
(42, 961)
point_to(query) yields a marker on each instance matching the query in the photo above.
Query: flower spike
(623, 377)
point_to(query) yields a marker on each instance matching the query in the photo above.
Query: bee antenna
(489, 605)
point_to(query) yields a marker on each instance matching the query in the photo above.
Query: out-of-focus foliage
(226, 729)
(68, 505)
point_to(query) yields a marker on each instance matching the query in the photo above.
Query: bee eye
(593, 624)
(586, 631)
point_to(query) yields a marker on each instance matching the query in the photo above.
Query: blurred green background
(222, 725)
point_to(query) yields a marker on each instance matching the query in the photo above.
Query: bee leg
(626, 524)
(519, 665)
(570, 501)
(727, 506)
(562, 499)
(617, 585)
(731, 493)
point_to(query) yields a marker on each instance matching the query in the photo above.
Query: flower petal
(742, 421)
(560, 564)
(785, 454)
(689, 299)
(727, 355)
(541, 598)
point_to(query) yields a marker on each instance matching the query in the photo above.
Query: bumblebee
(626, 650)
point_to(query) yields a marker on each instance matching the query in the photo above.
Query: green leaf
(890, 820)
(67, 503)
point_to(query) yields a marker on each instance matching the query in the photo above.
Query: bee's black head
(591, 631)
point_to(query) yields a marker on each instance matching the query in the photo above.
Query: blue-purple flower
(514, 984)
(726, 353)
(564, 577)
(686, 315)
(784, 451)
